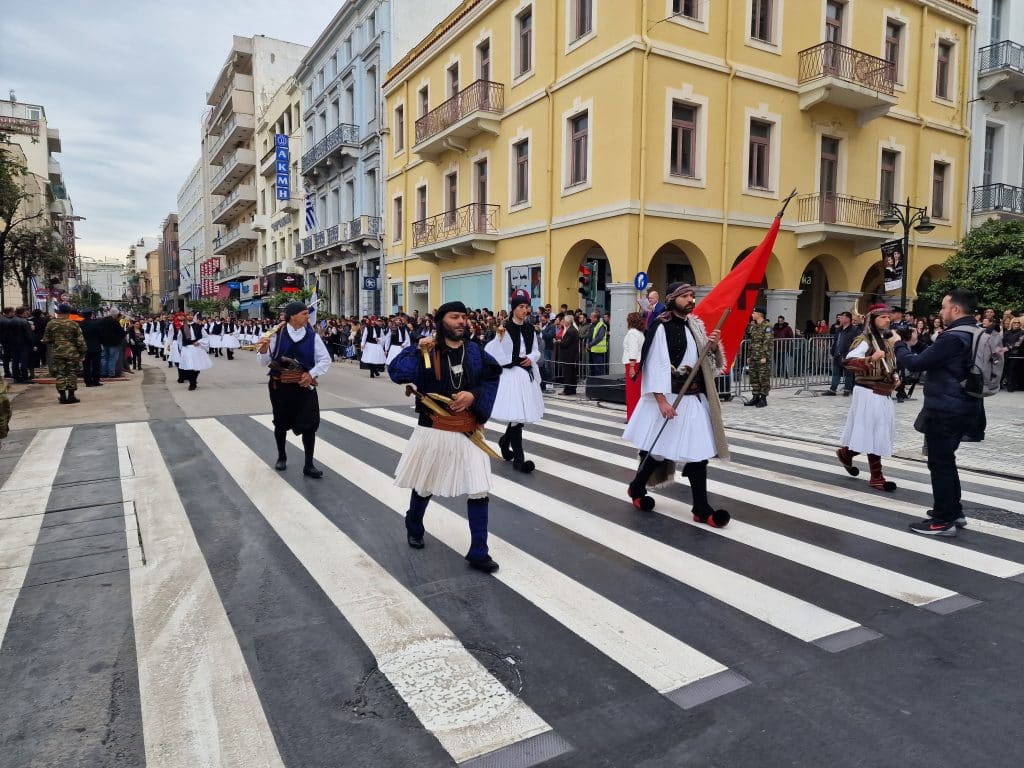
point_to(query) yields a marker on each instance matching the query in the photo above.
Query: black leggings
(308, 443)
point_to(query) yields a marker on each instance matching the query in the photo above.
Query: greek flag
(313, 299)
(310, 210)
(33, 286)
(195, 290)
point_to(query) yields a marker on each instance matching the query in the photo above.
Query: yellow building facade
(528, 139)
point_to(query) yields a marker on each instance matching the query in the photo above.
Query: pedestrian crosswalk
(275, 620)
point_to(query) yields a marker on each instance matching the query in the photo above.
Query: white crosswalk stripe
(203, 702)
(776, 608)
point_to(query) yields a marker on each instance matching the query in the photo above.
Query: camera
(904, 332)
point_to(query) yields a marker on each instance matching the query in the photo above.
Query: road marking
(657, 658)
(965, 558)
(24, 495)
(199, 703)
(418, 654)
(782, 611)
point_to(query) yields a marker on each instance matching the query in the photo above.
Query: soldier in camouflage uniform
(67, 347)
(759, 357)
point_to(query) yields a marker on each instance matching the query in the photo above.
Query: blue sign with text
(641, 281)
(282, 160)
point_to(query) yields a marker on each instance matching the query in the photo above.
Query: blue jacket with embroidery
(482, 372)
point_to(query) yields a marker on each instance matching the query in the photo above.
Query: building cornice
(954, 9)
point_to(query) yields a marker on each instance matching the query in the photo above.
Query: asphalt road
(168, 599)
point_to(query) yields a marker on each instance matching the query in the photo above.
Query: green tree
(209, 307)
(33, 251)
(87, 297)
(990, 263)
(17, 206)
(277, 301)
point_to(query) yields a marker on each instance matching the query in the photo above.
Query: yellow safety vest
(600, 347)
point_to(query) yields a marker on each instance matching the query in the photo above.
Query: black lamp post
(193, 251)
(909, 216)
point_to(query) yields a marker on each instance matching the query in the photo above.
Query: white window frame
(455, 61)
(571, 44)
(896, 15)
(485, 38)
(699, 24)
(578, 108)
(775, 46)
(847, 20)
(397, 232)
(1004, 129)
(518, 77)
(513, 206)
(398, 150)
(901, 163)
(947, 202)
(774, 157)
(686, 96)
(946, 36)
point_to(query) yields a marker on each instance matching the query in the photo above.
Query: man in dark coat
(92, 367)
(844, 336)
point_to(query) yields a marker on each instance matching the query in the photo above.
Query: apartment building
(279, 205)
(341, 167)
(168, 263)
(34, 144)
(136, 269)
(534, 143)
(253, 72)
(997, 159)
(191, 232)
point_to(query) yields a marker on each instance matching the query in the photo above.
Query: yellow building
(528, 139)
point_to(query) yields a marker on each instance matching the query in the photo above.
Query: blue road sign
(369, 283)
(641, 281)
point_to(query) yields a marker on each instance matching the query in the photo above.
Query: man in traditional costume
(871, 420)
(297, 358)
(396, 339)
(519, 400)
(229, 337)
(373, 357)
(694, 432)
(194, 345)
(440, 458)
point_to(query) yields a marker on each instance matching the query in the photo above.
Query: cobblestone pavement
(816, 418)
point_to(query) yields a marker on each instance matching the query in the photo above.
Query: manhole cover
(431, 675)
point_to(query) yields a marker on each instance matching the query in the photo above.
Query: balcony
(325, 245)
(268, 163)
(240, 270)
(241, 199)
(991, 201)
(52, 140)
(1001, 69)
(474, 110)
(238, 130)
(233, 171)
(238, 98)
(341, 142)
(465, 231)
(830, 216)
(366, 231)
(234, 240)
(260, 222)
(831, 73)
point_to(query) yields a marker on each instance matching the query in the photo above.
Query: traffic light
(584, 281)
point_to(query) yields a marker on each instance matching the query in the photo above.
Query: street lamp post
(193, 252)
(909, 216)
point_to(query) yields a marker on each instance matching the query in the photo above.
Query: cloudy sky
(125, 82)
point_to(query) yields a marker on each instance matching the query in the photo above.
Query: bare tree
(18, 206)
(33, 251)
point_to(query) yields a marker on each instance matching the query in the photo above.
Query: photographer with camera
(951, 412)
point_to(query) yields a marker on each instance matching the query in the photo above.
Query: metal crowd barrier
(804, 364)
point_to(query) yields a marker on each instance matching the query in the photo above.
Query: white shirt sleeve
(657, 376)
(322, 358)
(861, 350)
(264, 358)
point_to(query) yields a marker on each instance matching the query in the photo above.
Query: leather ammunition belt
(287, 377)
(679, 378)
(878, 387)
(454, 422)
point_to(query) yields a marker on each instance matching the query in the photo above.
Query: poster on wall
(527, 278)
(892, 265)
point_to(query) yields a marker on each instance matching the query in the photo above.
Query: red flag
(738, 292)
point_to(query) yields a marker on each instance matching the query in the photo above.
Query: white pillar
(782, 301)
(623, 299)
(700, 291)
(841, 301)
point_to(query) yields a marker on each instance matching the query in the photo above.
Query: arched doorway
(762, 295)
(930, 275)
(586, 268)
(813, 301)
(872, 288)
(670, 264)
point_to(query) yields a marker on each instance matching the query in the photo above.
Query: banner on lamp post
(892, 265)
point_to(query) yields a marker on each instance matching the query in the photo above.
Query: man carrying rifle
(457, 383)
(297, 358)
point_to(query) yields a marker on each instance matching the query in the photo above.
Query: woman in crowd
(632, 343)
(137, 344)
(567, 351)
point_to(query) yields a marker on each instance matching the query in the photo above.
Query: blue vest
(303, 350)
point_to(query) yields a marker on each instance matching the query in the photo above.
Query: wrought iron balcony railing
(997, 197)
(831, 208)
(1005, 54)
(472, 219)
(365, 226)
(847, 64)
(344, 135)
(479, 96)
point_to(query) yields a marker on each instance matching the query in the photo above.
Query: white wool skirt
(870, 423)
(216, 340)
(439, 463)
(519, 399)
(194, 358)
(688, 437)
(373, 354)
(173, 349)
(394, 352)
(229, 341)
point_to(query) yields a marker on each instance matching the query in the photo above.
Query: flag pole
(785, 203)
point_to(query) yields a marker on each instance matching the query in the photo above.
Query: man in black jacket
(6, 331)
(844, 336)
(949, 414)
(23, 341)
(94, 349)
(112, 337)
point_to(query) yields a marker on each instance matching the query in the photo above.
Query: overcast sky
(125, 83)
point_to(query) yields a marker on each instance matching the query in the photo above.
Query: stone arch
(678, 261)
(929, 276)
(774, 276)
(822, 274)
(591, 253)
(872, 287)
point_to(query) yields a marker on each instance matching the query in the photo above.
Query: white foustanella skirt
(519, 400)
(687, 437)
(194, 357)
(439, 463)
(870, 423)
